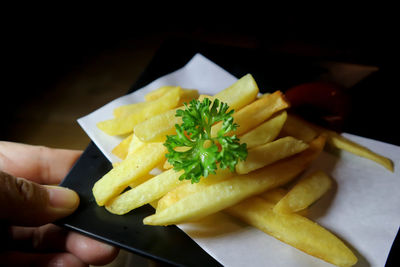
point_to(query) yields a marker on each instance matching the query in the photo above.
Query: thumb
(26, 203)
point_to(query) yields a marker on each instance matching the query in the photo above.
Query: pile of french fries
(265, 191)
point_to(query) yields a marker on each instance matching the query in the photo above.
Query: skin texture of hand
(30, 201)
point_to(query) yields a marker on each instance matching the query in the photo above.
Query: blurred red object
(323, 103)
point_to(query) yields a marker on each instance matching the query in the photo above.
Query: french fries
(132, 168)
(266, 132)
(340, 142)
(144, 193)
(304, 193)
(268, 153)
(259, 111)
(235, 189)
(241, 93)
(125, 124)
(280, 147)
(294, 230)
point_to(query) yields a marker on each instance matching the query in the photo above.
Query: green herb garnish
(202, 152)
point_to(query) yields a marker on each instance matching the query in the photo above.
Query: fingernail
(61, 197)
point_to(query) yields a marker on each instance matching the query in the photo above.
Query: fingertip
(89, 250)
(62, 198)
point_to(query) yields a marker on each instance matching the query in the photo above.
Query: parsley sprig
(202, 152)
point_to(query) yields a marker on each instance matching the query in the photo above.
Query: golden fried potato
(133, 167)
(305, 192)
(125, 124)
(294, 230)
(268, 153)
(252, 115)
(265, 132)
(144, 193)
(233, 190)
(154, 129)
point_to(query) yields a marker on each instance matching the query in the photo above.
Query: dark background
(55, 60)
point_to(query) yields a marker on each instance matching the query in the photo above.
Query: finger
(89, 250)
(37, 163)
(31, 204)
(53, 238)
(16, 258)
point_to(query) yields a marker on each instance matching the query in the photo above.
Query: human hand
(29, 204)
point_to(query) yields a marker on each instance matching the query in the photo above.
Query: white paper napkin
(363, 209)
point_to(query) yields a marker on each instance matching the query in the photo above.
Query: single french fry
(239, 94)
(264, 133)
(294, 230)
(268, 153)
(255, 113)
(144, 193)
(297, 127)
(121, 150)
(305, 192)
(340, 142)
(133, 167)
(125, 124)
(154, 129)
(233, 190)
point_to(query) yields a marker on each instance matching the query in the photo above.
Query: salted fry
(264, 133)
(133, 167)
(340, 142)
(156, 128)
(255, 113)
(125, 124)
(144, 193)
(235, 189)
(344, 143)
(239, 94)
(305, 192)
(268, 153)
(294, 230)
